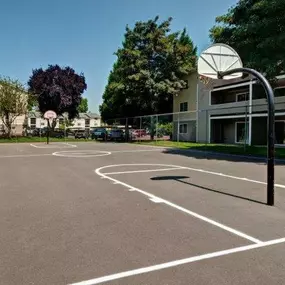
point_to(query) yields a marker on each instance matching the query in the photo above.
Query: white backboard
(219, 57)
(50, 115)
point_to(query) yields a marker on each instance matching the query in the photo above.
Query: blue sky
(84, 34)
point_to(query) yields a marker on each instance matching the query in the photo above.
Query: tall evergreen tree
(149, 70)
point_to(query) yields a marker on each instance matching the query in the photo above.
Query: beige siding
(189, 136)
(17, 125)
(187, 95)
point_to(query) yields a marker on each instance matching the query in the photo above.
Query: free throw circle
(81, 153)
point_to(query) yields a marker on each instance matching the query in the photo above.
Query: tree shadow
(209, 155)
(180, 179)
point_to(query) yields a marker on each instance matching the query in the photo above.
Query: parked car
(81, 134)
(140, 133)
(58, 134)
(99, 133)
(116, 135)
(39, 132)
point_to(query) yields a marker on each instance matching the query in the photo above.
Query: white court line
(177, 263)
(70, 153)
(72, 145)
(54, 145)
(25, 155)
(155, 146)
(197, 170)
(138, 150)
(81, 153)
(143, 171)
(93, 153)
(175, 206)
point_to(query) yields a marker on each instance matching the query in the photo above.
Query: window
(87, 123)
(242, 97)
(33, 122)
(279, 92)
(184, 107)
(279, 132)
(258, 91)
(183, 129)
(241, 132)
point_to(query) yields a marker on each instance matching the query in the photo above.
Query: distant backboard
(50, 115)
(219, 57)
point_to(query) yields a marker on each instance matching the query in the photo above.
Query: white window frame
(87, 125)
(33, 119)
(33, 125)
(247, 138)
(184, 133)
(243, 93)
(182, 104)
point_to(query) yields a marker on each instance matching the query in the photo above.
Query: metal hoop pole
(270, 126)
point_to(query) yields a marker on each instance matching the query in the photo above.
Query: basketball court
(106, 213)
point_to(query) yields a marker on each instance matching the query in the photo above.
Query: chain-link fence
(153, 128)
(218, 124)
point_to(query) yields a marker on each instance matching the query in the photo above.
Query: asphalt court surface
(104, 213)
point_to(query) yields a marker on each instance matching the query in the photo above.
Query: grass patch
(219, 148)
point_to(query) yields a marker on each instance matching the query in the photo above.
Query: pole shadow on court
(180, 179)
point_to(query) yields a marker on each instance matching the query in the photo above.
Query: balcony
(234, 100)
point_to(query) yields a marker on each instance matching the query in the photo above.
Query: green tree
(58, 89)
(83, 107)
(149, 70)
(13, 102)
(32, 103)
(256, 30)
(66, 123)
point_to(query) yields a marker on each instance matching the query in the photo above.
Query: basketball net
(207, 81)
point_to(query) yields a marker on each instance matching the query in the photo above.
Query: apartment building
(185, 111)
(83, 121)
(17, 126)
(232, 112)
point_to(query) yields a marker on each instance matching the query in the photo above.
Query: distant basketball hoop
(49, 116)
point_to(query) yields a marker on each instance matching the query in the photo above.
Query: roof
(34, 114)
(89, 115)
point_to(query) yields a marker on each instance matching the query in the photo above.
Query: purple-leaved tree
(57, 89)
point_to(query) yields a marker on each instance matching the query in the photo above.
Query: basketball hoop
(49, 116)
(221, 61)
